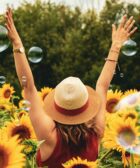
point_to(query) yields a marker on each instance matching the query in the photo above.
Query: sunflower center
(126, 137)
(22, 131)
(7, 93)
(111, 104)
(131, 116)
(3, 158)
(2, 107)
(80, 166)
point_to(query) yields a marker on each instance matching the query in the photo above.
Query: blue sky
(84, 4)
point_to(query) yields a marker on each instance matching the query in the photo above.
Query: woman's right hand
(12, 32)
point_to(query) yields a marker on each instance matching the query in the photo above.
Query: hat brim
(90, 112)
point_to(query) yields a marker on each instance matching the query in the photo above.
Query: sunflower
(22, 127)
(127, 160)
(121, 135)
(10, 153)
(128, 92)
(21, 113)
(79, 163)
(44, 92)
(30, 147)
(128, 113)
(7, 91)
(110, 116)
(5, 104)
(113, 97)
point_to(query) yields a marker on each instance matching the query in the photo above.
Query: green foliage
(73, 43)
(109, 158)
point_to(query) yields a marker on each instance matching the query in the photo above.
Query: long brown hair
(75, 135)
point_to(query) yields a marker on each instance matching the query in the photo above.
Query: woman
(72, 120)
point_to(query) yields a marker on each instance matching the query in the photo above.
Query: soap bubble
(130, 101)
(121, 75)
(2, 79)
(126, 138)
(129, 141)
(25, 105)
(135, 149)
(35, 54)
(4, 41)
(129, 48)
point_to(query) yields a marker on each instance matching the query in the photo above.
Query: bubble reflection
(25, 105)
(129, 48)
(2, 79)
(35, 54)
(4, 41)
(132, 100)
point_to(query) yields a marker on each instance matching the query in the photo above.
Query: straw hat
(71, 102)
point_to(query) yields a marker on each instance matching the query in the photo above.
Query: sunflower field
(120, 146)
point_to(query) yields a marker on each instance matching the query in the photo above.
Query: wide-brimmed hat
(71, 102)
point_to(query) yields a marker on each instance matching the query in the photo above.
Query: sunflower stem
(106, 154)
(132, 165)
(12, 110)
(32, 162)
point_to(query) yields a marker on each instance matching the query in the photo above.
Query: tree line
(74, 43)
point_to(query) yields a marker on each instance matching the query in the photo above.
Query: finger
(10, 12)
(122, 21)
(133, 31)
(128, 22)
(7, 11)
(7, 26)
(113, 28)
(9, 16)
(130, 26)
(8, 20)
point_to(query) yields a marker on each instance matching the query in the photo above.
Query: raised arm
(41, 122)
(119, 36)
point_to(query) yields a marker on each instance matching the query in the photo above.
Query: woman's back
(64, 152)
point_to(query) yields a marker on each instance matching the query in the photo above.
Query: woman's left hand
(124, 30)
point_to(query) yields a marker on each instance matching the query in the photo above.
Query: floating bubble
(121, 75)
(25, 105)
(129, 141)
(2, 79)
(35, 54)
(126, 138)
(131, 101)
(4, 41)
(129, 48)
(135, 149)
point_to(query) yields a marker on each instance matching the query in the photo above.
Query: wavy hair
(75, 135)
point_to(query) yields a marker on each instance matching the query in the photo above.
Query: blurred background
(70, 38)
